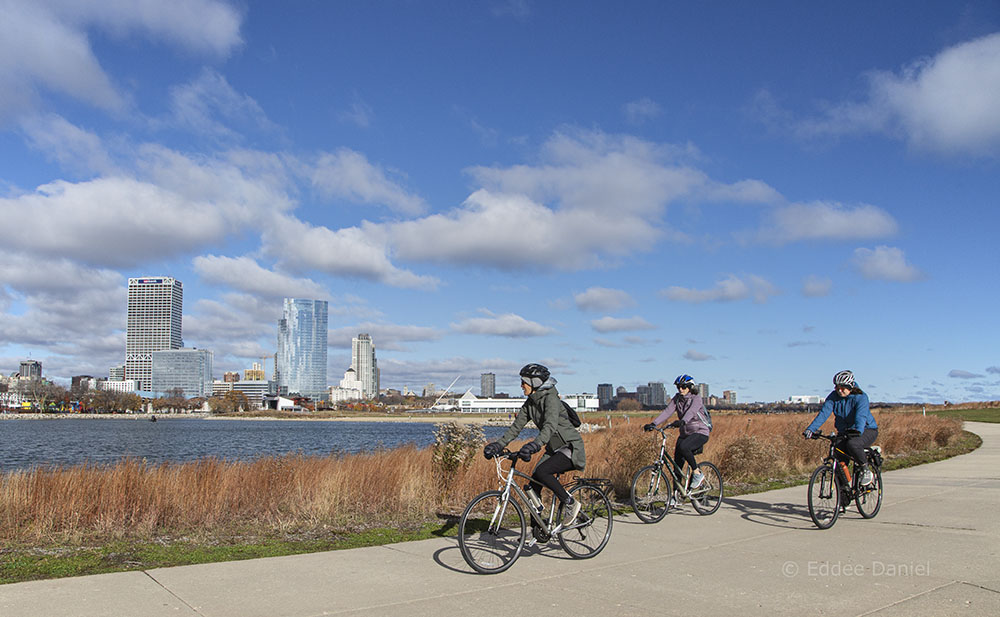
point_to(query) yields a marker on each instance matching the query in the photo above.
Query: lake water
(28, 443)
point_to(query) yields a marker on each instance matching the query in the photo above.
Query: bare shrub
(749, 458)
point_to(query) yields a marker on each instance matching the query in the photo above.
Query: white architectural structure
(254, 389)
(365, 365)
(154, 324)
(808, 399)
(118, 385)
(350, 389)
(470, 403)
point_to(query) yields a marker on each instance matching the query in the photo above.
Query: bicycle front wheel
(651, 492)
(491, 532)
(589, 533)
(707, 498)
(869, 498)
(824, 497)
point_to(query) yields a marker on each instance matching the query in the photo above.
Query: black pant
(855, 446)
(545, 471)
(684, 450)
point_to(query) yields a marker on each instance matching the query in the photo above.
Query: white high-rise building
(365, 365)
(487, 385)
(154, 324)
(300, 364)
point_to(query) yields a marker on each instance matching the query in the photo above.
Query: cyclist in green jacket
(562, 442)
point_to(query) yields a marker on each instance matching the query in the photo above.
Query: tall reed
(298, 494)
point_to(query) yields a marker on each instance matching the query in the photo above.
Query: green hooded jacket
(545, 409)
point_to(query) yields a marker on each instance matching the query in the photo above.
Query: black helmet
(534, 375)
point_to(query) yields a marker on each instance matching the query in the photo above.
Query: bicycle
(492, 531)
(652, 491)
(831, 488)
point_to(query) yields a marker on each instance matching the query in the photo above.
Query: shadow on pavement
(787, 515)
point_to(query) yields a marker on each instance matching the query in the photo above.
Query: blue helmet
(684, 380)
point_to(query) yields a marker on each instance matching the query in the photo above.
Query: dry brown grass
(134, 499)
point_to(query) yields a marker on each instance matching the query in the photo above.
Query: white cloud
(508, 325)
(45, 46)
(348, 174)
(995, 370)
(950, 102)
(351, 251)
(885, 263)
(385, 335)
(615, 324)
(74, 148)
(826, 221)
(207, 105)
(731, 289)
(960, 374)
(603, 299)
(697, 356)
(359, 114)
(245, 274)
(815, 286)
(637, 112)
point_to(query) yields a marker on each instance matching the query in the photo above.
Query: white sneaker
(697, 479)
(673, 503)
(867, 477)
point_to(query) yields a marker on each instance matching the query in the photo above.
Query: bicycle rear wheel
(869, 498)
(651, 492)
(589, 534)
(824, 497)
(491, 533)
(707, 498)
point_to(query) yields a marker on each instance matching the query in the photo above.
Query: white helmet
(844, 378)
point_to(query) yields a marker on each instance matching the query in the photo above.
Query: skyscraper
(605, 392)
(154, 324)
(300, 364)
(30, 369)
(365, 365)
(487, 385)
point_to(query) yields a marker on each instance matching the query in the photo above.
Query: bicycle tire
(869, 499)
(708, 497)
(491, 548)
(590, 533)
(824, 497)
(650, 494)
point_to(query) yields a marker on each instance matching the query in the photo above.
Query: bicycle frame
(680, 482)
(852, 488)
(507, 484)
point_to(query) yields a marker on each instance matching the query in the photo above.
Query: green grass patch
(971, 415)
(19, 564)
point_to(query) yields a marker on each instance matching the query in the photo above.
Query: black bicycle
(654, 486)
(833, 485)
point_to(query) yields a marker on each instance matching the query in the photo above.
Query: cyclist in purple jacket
(692, 420)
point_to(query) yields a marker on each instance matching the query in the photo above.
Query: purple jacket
(690, 411)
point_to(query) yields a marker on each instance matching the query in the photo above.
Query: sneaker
(571, 511)
(867, 477)
(697, 479)
(673, 503)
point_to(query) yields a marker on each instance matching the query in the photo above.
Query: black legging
(684, 450)
(855, 446)
(545, 471)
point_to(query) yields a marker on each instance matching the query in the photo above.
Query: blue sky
(758, 194)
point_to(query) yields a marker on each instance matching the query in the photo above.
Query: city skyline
(623, 192)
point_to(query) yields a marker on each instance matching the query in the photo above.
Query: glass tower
(188, 371)
(154, 324)
(300, 364)
(487, 385)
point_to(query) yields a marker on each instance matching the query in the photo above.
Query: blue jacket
(849, 413)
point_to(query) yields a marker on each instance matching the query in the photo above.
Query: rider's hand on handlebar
(492, 449)
(527, 450)
(674, 424)
(649, 427)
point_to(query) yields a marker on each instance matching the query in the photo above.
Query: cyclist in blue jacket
(851, 417)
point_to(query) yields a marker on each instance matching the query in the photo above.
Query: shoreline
(409, 418)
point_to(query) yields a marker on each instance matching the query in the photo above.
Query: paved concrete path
(934, 549)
